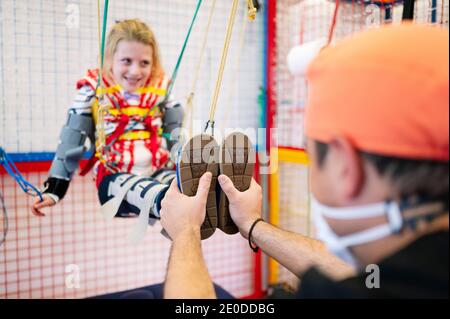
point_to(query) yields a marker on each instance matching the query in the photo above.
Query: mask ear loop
(421, 208)
(394, 216)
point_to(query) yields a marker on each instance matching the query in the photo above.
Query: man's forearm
(298, 253)
(187, 275)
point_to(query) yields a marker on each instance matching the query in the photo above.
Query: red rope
(333, 23)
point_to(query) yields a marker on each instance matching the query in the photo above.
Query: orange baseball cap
(386, 90)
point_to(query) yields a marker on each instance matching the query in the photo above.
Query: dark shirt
(420, 270)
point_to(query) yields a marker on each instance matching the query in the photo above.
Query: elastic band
(252, 246)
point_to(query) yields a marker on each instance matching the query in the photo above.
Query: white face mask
(339, 246)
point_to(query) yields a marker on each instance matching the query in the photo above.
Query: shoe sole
(198, 156)
(237, 162)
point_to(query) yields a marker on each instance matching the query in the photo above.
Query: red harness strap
(120, 129)
(153, 145)
(123, 122)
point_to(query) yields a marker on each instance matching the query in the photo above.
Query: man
(377, 128)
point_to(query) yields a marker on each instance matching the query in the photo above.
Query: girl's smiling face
(132, 64)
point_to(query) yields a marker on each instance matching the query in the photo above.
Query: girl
(132, 167)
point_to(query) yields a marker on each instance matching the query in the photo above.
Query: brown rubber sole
(237, 162)
(198, 156)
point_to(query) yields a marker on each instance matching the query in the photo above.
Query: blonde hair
(132, 30)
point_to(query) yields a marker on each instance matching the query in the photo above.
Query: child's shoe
(200, 155)
(237, 161)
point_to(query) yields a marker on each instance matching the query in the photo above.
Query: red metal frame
(271, 68)
(292, 148)
(29, 167)
(258, 291)
(270, 64)
(270, 112)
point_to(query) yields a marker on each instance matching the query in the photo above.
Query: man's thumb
(227, 186)
(203, 186)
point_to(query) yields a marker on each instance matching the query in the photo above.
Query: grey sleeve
(78, 127)
(172, 122)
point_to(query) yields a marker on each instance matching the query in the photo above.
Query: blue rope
(5, 220)
(102, 50)
(12, 170)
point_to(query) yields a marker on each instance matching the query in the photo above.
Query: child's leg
(145, 192)
(104, 195)
(165, 175)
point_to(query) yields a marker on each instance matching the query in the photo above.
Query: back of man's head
(386, 91)
(377, 127)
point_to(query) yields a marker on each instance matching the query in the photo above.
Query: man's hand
(245, 207)
(180, 212)
(182, 217)
(37, 205)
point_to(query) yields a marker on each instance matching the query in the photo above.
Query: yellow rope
(233, 81)
(222, 62)
(190, 98)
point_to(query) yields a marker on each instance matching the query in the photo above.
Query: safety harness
(121, 113)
